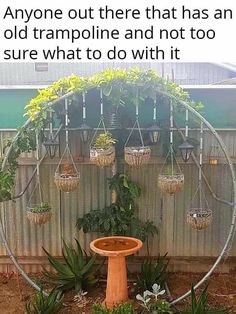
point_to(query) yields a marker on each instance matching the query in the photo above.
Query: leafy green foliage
(199, 305)
(126, 190)
(125, 308)
(153, 272)
(75, 272)
(6, 184)
(118, 218)
(120, 87)
(104, 140)
(41, 304)
(41, 208)
(111, 220)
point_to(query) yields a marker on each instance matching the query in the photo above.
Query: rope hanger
(199, 190)
(171, 152)
(67, 151)
(101, 121)
(136, 125)
(38, 185)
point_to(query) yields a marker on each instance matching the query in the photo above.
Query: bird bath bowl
(116, 248)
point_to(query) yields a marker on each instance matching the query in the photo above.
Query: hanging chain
(171, 137)
(50, 125)
(200, 165)
(155, 111)
(66, 122)
(84, 106)
(186, 124)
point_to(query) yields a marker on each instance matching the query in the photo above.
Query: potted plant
(171, 181)
(103, 151)
(39, 213)
(68, 179)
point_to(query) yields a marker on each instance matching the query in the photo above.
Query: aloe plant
(41, 304)
(75, 272)
(152, 272)
(199, 305)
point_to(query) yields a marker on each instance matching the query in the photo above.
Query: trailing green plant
(119, 217)
(119, 86)
(125, 308)
(151, 302)
(152, 272)
(199, 304)
(41, 208)
(41, 304)
(75, 272)
(104, 141)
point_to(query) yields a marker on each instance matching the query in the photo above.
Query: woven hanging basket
(199, 218)
(137, 155)
(171, 183)
(66, 182)
(102, 157)
(38, 218)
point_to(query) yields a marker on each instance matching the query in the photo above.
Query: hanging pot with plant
(66, 177)
(102, 152)
(39, 214)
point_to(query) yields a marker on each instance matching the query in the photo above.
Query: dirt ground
(15, 292)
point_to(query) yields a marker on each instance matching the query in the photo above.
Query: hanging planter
(137, 155)
(67, 177)
(199, 218)
(171, 183)
(214, 155)
(102, 153)
(39, 214)
(102, 150)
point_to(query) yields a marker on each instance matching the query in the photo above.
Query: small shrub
(151, 303)
(41, 208)
(41, 304)
(104, 141)
(152, 271)
(126, 308)
(75, 272)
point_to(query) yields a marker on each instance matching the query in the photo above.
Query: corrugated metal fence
(168, 212)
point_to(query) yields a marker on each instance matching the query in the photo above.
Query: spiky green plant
(152, 272)
(41, 304)
(199, 305)
(75, 272)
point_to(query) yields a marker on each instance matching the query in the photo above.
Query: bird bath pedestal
(116, 248)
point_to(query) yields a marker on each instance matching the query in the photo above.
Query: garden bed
(15, 292)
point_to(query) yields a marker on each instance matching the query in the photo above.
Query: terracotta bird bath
(116, 248)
